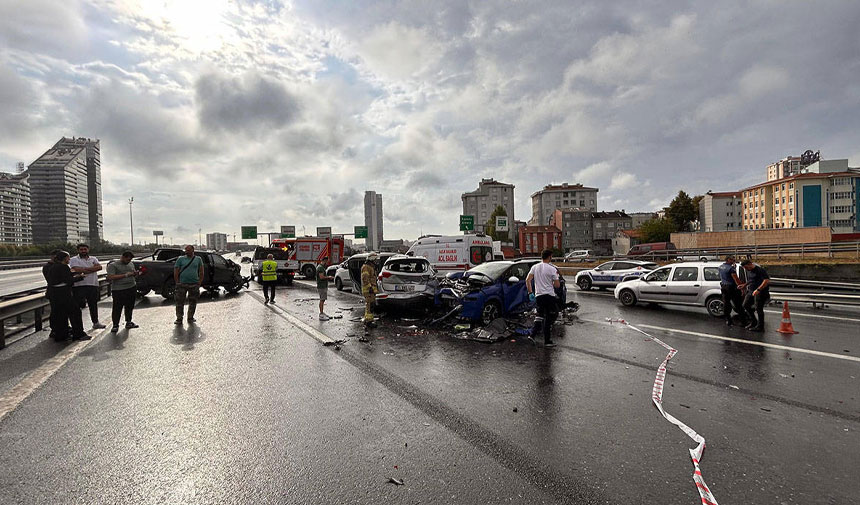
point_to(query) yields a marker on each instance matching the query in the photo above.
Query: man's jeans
(183, 291)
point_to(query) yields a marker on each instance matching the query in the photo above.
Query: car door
(684, 285)
(515, 293)
(602, 274)
(222, 272)
(620, 270)
(654, 286)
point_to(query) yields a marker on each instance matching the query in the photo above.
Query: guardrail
(816, 298)
(34, 303)
(15, 263)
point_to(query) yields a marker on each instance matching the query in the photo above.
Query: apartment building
(483, 201)
(551, 197)
(16, 227)
(721, 211)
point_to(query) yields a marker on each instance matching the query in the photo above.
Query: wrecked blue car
(491, 290)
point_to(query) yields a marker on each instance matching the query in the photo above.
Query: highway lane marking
(21, 391)
(750, 342)
(309, 330)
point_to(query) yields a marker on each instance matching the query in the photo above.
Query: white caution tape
(657, 398)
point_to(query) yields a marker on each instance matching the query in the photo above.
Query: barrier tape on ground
(657, 398)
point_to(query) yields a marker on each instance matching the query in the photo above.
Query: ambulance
(455, 253)
(308, 252)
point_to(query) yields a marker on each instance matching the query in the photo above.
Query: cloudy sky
(215, 114)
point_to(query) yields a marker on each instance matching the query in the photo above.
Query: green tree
(681, 212)
(657, 230)
(490, 226)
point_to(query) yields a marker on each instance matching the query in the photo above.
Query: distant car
(354, 264)
(689, 283)
(698, 256)
(494, 289)
(579, 255)
(609, 274)
(341, 275)
(406, 282)
(653, 249)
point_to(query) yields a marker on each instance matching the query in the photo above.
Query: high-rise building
(63, 206)
(15, 209)
(551, 197)
(373, 219)
(94, 182)
(721, 211)
(216, 241)
(483, 201)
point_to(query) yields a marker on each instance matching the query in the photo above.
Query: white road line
(819, 316)
(15, 396)
(309, 330)
(750, 342)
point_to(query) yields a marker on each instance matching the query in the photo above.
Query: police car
(609, 274)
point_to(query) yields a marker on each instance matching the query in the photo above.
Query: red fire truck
(309, 251)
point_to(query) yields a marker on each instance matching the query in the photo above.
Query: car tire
(288, 280)
(168, 290)
(715, 306)
(627, 297)
(338, 283)
(584, 283)
(308, 271)
(235, 287)
(491, 311)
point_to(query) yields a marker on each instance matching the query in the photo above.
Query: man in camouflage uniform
(369, 287)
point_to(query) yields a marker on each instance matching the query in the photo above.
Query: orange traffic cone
(785, 327)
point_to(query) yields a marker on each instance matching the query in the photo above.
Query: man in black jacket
(64, 309)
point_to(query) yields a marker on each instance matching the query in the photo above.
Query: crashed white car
(406, 281)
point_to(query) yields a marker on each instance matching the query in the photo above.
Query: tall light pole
(131, 219)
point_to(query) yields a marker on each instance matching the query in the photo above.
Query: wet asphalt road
(246, 407)
(21, 279)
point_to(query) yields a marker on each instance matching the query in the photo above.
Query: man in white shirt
(541, 283)
(87, 289)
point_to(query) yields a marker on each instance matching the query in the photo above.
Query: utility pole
(200, 236)
(131, 219)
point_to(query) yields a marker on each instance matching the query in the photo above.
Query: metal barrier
(34, 303)
(816, 298)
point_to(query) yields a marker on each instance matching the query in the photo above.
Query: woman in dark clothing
(64, 309)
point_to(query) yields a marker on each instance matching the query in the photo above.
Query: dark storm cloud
(250, 103)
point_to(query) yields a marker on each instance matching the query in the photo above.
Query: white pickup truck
(287, 268)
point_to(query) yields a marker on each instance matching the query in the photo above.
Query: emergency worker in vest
(369, 287)
(270, 278)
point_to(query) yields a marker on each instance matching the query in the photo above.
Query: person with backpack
(188, 277)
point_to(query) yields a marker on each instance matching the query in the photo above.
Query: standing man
(541, 284)
(188, 276)
(123, 287)
(60, 280)
(757, 294)
(369, 287)
(269, 277)
(731, 291)
(87, 289)
(322, 285)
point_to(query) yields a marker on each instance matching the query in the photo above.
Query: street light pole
(131, 219)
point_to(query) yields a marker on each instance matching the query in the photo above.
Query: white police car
(609, 274)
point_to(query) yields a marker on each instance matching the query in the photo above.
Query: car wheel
(235, 287)
(491, 311)
(308, 271)
(288, 280)
(584, 283)
(627, 297)
(168, 290)
(715, 306)
(338, 283)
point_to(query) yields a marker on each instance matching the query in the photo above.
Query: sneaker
(324, 317)
(178, 320)
(114, 329)
(191, 320)
(98, 326)
(266, 301)
(549, 344)
(82, 336)
(131, 325)
(272, 302)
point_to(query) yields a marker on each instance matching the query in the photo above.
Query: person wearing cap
(757, 294)
(121, 275)
(322, 286)
(369, 289)
(731, 292)
(64, 308)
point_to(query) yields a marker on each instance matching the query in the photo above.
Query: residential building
(373, 219)
(825, 193)
(515, 232)
(640, 217)
(534, 239)
(216, 241)
(783, 168)
(94, 182)
(15, 209)
(60, 196)
(397, 245)
(624, 240)
(551, 197)
(605, 224)
(721, 211)
(576, 228)
(483, 201)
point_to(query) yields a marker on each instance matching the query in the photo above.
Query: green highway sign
(249, 232)
(361, 232)
(467, 223)
(501, 223)
(288, 232)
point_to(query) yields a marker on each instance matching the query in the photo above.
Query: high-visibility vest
(270, 268)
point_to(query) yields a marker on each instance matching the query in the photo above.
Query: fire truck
(309, 251)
